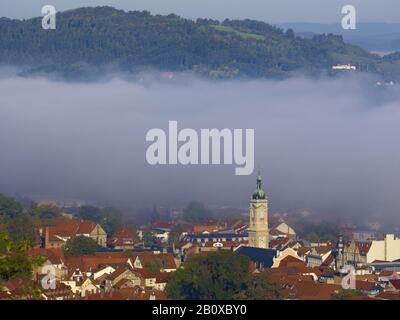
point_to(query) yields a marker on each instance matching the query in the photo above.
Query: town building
(368, 251)
(64, 229)
(258, 225)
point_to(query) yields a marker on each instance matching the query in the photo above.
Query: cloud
(330, 145)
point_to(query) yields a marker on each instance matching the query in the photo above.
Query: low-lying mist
(330, 145)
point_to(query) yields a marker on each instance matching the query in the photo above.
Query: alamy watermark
(49, 18)
(186, 147)
(349, 21)
(49, 280)
(349, 280)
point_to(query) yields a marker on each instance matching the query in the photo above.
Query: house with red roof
(123, 239)
(279, 228)
(393, 285)
(318, 255)
(64, 229)
(368, 251)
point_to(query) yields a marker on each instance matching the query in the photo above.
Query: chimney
(46, 238)
(42, 239)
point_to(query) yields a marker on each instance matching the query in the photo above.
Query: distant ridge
(89, 42)
(373, 36)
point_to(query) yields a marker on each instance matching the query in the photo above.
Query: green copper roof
(259, 193)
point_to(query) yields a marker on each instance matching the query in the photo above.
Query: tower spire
(258, 225)
(259, 193)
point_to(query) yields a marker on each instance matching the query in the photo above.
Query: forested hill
(92, 41)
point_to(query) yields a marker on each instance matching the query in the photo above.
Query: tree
(312, 237)
(175, 234)
(345, 294)
(9, 207)
(154, 265)
(80, 245)
(90, 213)
(220, 275)
(15, 263)
(21, 228)
(326, 231)
(217, 275)
(111, 219)
(195, 212)
(132, 230)
(290, 33)
(148, 239)
(262, 288)
(44, 211)
(14, 260)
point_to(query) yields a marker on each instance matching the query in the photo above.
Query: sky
(329, 145)
(272, 11)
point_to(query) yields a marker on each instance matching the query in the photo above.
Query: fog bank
(328, 145)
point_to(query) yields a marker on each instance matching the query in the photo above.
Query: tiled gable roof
(290, 261)
(363, 246)
(86, 227)
(69, 228)
(329, 260)
(92, 262)
(303, 250)
(54, 255)
(315, 291)
(387, 273)
(386, 295)
(395, 283)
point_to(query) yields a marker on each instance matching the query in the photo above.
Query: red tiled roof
(113, 295)
(363, 247)
(387, 273)
(163, 224)
(162, 277)
(117, 273)
(389, 295)
(121, 282)
(395, 283)
(323, 249)
(329, 260)
(65, 227)
(290, 261)
(92, 262)
(54, 255)
(273, 221)
(123, 237)
(303, 250)
(86, 227)
(207, 228)
(279, 243)
(146, 273)
(275, 232)
(364, 285)
(315, 291)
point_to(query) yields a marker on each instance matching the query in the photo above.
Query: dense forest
(93, 41)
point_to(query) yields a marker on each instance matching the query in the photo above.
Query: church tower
(258, 227)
